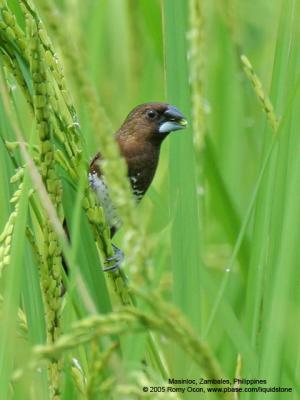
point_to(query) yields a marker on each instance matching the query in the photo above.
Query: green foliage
(209, 287)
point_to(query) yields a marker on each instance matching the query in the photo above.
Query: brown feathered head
(152, 122)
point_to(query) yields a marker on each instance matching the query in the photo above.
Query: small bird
(139, 140)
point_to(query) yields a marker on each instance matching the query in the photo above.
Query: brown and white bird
(139, 140)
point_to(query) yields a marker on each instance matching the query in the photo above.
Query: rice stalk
(260, 93)
(7, 233)
(197, 41)
(50, 270)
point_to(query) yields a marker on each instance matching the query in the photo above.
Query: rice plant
(206, 303)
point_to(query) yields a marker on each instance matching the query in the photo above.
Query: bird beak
(174, 120)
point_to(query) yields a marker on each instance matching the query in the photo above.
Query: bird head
(152, 122)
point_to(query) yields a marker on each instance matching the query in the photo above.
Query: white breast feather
(104, 199)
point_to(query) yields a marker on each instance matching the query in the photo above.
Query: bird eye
(152, 114)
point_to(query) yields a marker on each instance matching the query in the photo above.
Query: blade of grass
(263, 210)
(282, 265)
(12, 294)
(185, 233)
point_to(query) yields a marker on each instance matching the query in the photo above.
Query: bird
(139, 140)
